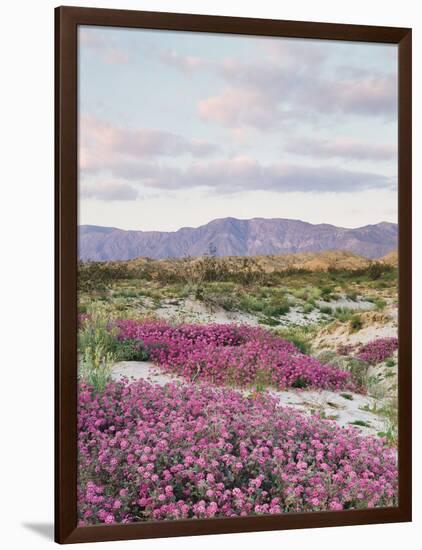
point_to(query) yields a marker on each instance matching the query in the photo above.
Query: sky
(179, 128)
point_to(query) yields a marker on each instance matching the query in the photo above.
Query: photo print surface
(237, 275)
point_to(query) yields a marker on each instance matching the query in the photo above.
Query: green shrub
(353, 296)
(126, 293)
(379, 303)
(326, 293)
(213, 297)
(301, 337)
(375, 271)
(130, 350)
(347, 396)
(357, 367)
(100, 275)
(381, 284)
(273, 309)
(250, 303)
(356, 323)
(95, 367)
(96, 342)
(270, 321)
(95, 332)
(343, 313)
(300, 383)
(307, 308)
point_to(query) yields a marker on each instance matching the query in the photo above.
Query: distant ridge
(234, 237)
(273, 263)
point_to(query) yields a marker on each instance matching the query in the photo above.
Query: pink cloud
(236, 107)
(102, 145)
(267, 95)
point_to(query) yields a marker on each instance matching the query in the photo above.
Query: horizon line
(232, 218)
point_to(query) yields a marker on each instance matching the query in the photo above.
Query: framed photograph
(233, 274)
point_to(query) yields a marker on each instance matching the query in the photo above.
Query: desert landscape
(237, 275)
(228, 385)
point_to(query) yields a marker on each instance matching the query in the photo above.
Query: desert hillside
(392, 258)
(309, 261)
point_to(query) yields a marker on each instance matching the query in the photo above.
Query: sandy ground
(296, 316)
(145, 370)
(356, 305)
(193, 311)
(343, 408)
(337, 334)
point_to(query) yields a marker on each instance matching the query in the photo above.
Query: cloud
(103, 45)
(108, 191)
(243, 173)
(267, 95)
(285, 52)
(237, 108)
(185, 63)
(340, 148)
(368, 95)
(102, 145)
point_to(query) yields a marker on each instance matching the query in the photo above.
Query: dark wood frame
(66, 21)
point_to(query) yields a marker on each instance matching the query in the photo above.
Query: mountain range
(235, 237)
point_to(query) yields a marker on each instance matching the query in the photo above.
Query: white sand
(145, 370)
(333, 405)
(361, 305)
(194, 311)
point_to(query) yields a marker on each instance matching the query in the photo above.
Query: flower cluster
(148, 452)
(239, 355)
(378, 350)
